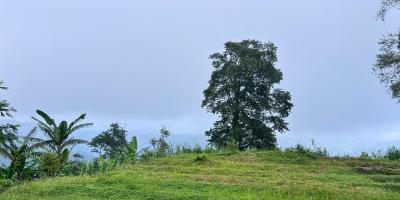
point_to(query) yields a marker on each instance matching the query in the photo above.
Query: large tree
(387, 66)
(242, 91)
(59, 136)
(110, 143)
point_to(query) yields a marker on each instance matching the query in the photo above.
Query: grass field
(257, 175)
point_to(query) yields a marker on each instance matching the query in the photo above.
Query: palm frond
(34, 139)
(80, 126)
(43, 125)
(29, 136)
(5, 153)
(72, 124)
(73, 141)
(43, 144)
(2, 87)
(46, 117)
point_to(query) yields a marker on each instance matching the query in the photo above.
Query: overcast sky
(145, 64)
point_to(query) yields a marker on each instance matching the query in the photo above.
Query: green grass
(260, 175)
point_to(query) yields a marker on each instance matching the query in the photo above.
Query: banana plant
(18, 152)
(132, 148)
(59, 135)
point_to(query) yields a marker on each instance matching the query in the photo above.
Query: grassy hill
(255, 175)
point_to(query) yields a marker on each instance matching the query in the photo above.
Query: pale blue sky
(145, 63)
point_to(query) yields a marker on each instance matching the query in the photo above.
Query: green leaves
(46, 117)
(111, 142)
(5, 108)
(64, 156)
(385, 6)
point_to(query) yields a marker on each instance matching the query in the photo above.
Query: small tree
(110, 143)
(59, 136)
(131, 149)
(160, 145)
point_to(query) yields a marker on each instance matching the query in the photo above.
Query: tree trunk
(59, 157)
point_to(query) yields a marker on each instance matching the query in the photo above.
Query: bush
(197, 149)
(75, 168)
(186, 149)
(393, 153)
(364, 155)
(201, 158)
(48, 164)
(209, 149)
(147, 153)
(231, 148)
(6, 183)
(310, 152)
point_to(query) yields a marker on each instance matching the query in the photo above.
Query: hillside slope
(260, 175)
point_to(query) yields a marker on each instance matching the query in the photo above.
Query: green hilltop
(245, 175)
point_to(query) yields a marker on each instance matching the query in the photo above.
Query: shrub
(310, 152)
(160, 146)
(197, 149)
(231, 148)
(186, 149)
(201, 158)
(75, 168)
(6, 183)
(209, 149)
(364, 155)
(393, 153)
(49, 164)
(147, 153)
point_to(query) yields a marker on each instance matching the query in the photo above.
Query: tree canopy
(110, 143)
(242, 91)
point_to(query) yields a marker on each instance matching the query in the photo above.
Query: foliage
(387, 66)
(48, 164)
(388, 63)
(310, 152)
(59, 136)
(364, 155)
(100, 164)
(132, 148)
(6, 183)
(197, 149)
(110, 143)
(160, 145)
(5, 108)
(385, 6)
(74, 168)
(232, 147)
(242, 91)
(185, 149)
(393, 153)
(19, 151)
